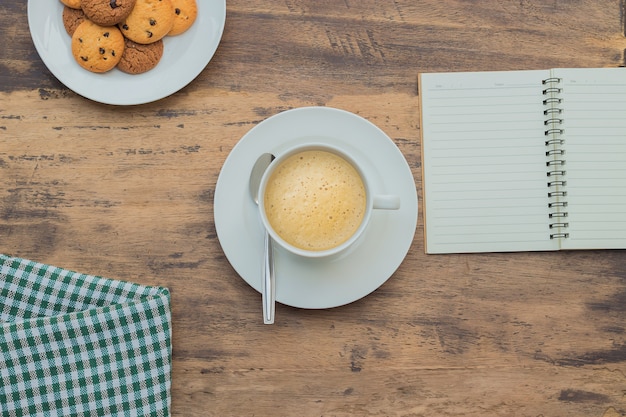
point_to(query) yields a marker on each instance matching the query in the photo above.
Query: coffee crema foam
(315, 200)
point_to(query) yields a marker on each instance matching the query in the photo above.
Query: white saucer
(318, 283)
(184, 56)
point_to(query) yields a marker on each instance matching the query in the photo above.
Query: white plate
(184, 56)
(318, 283)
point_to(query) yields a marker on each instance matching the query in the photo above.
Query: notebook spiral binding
(555, 158)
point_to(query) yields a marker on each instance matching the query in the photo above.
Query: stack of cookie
(124, 34)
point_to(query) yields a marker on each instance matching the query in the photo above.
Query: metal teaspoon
(268, 291)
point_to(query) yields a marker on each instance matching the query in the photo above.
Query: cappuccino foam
(315, 200)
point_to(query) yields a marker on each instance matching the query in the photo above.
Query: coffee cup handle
(386, 202)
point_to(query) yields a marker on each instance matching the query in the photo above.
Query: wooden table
(127, 192)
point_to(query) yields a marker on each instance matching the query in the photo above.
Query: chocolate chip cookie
(107, 12)
(139, 58)
(97, 48)
(72, 18)
(149, 21)
(185, 13)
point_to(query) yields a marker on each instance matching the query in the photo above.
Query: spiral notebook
(524, 160)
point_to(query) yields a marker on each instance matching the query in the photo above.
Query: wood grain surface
(127, 193)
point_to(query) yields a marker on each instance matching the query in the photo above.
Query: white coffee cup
(296, 232)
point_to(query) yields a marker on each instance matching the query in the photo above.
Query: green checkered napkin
(73, 344)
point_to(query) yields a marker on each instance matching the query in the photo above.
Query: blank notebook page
(484, 163)
(594, 130)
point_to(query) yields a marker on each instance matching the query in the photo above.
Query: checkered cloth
(73, 344)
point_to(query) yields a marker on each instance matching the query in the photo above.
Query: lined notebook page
(594, 102)
(484, 163)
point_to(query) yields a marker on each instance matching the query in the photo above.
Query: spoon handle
(269, 282)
